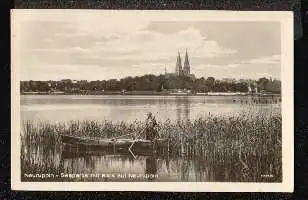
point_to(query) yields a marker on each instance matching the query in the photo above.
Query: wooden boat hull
(72, 145)
(71, 151)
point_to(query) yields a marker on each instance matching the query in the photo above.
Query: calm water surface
(65, 108)
(127, 108)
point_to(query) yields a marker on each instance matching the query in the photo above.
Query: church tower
(178, 66)
(186, 69)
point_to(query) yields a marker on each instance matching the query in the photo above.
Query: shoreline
(147, 93)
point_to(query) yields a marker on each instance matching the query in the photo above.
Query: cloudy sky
(100, 47)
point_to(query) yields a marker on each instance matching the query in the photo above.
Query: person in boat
(150, 130)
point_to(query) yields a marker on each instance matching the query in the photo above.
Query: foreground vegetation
(246, 146)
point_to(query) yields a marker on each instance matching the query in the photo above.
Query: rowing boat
(84, 144)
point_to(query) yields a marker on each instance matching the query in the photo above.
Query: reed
(250, 143)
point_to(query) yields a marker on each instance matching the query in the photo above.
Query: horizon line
(268, 77)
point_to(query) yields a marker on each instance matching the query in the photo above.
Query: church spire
(178, 67)
(186, 65)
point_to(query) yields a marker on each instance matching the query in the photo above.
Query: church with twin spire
(182, 70)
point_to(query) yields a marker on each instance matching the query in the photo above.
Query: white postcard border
(286, 20)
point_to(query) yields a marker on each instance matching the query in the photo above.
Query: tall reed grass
(249, 144)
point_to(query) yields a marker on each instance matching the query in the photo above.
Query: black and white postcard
(152, 100)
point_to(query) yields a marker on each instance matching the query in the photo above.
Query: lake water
(129, 108)
(65, 108)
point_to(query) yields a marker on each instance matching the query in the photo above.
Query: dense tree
(269, 85)
(151, 82)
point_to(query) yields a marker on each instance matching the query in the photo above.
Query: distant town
(182, 81)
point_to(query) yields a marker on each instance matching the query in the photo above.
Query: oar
(121, 136)
(129, 149)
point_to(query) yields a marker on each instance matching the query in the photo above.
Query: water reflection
(151, 167)
(205, 167)
(128, 108)
(148, 168)
(182, 108)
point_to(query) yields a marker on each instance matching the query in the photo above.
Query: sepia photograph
(152, 100)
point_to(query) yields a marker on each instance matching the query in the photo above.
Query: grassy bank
(247, 146)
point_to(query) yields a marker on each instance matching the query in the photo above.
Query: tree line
(151, 82)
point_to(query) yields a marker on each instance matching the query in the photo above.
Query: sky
(96, 46)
